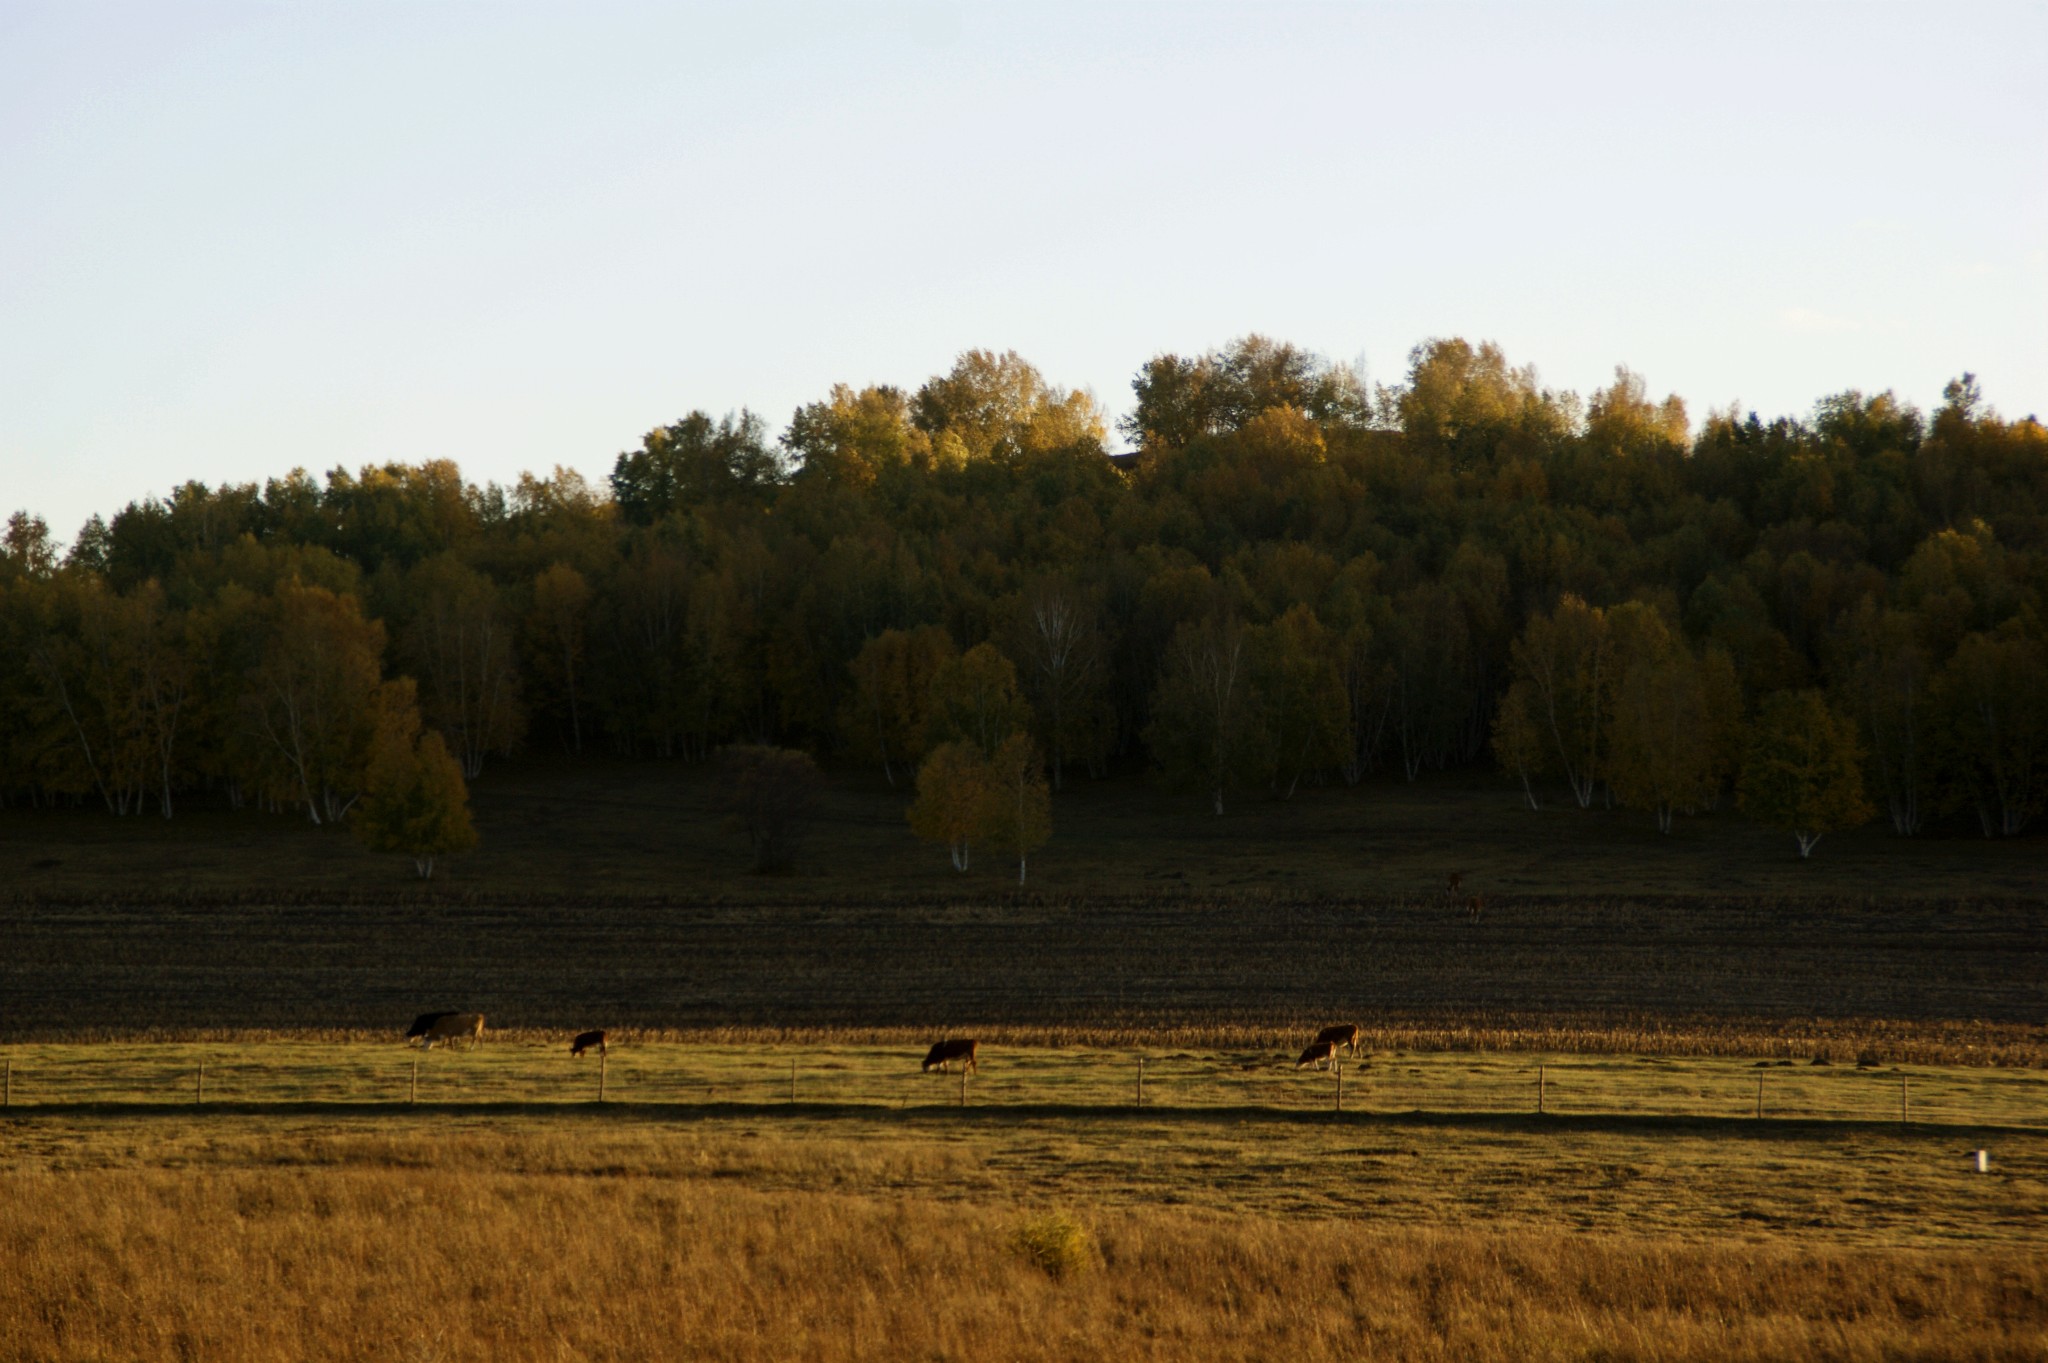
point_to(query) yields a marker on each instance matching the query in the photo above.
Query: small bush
(1056, 1243)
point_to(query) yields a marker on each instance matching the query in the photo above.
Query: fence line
(1464, 1084)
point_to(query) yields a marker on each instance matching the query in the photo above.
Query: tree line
(1294, 576)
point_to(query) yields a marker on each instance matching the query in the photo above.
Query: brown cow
(1319, 1053)
(1475, 907)
(421, 1023)
(1457, 882)
(589, 1041)
(943, 1053)
(449, 1027)
(1341, 1034)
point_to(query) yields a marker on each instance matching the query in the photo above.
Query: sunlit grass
(538, 1070)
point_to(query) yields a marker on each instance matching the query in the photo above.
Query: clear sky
(235, 239)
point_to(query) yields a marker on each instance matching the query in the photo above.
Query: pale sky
(240, 238)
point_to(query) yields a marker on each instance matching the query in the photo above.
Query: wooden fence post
(792, 1081)
(603, 1060)
(1340, 1081)
(413, 1095)
(199, 1085)
(1902, 1100)
(1141, 1081)
(1539, 1088)
(963, 1083)
(1759, 1095)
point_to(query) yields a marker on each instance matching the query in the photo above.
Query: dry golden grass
(449, 1264)
(707, 1073)
(581, 1232)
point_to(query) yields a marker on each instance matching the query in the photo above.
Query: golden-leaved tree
(952, 793)
(1803, 771)
(1016, 806)
(414, 802)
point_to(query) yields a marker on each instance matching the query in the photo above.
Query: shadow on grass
(937, 1115)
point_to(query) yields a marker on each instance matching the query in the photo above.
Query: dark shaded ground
(652, 829)
(614, 889)
(1051, 963)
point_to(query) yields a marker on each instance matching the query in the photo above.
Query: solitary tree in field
(1016, 810)
(1803, 772)
(414, 802)
(952, 792)
(769, 795)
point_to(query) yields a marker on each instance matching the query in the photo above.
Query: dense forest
(1292, 577)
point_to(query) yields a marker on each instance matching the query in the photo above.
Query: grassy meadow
(808, 1232)
(306, 1209)
(534, 1071)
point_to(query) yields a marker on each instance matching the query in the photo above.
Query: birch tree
(1058, 644)
(1568, 662)
(313, 701)
(1016, 806)
(1204, 730)
(1803, 772)
(952, 796)
(414, 801)
(460, 642)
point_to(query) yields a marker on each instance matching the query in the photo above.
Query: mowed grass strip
(537, 1070)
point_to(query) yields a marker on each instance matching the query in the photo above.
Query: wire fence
(289, 1074)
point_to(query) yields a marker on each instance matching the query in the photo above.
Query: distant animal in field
(944, 1053)
(424, 1021)
(1475, 907)
(429, 1028)
(1457, 883)
(1321, 1054)
(588, 1041)
(1341, 1034)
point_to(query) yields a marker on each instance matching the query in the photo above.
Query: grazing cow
(943, 1053)
(432, 1027)
(1342, 1034)
(1475, 906)
(421, 1023)
(1457, 882)
(588, 1041)
(1319, 1053)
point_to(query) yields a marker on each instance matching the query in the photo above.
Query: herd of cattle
(429, 1028)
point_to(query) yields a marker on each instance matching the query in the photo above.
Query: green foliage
(414, 801)
(1397, 573)
(974, 699)
(1205, 732)
(886, 718)
(693, 462)
(1992, 698)
(1056, 1243)
(1803, 772)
